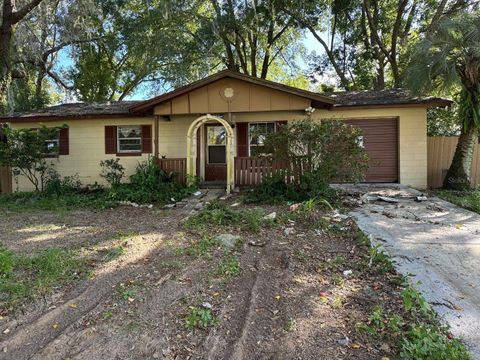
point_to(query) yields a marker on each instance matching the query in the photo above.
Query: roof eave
(39, 118)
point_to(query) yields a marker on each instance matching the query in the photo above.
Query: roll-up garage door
(380, 139)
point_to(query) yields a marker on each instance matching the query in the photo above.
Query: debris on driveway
(435, 242)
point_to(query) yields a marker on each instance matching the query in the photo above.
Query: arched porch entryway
(192, 147)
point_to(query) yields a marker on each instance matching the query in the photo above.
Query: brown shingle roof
(343, 99)
(77, 110)
(383, 98)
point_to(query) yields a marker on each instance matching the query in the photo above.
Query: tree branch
(20, 14)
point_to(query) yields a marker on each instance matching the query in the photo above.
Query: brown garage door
(380, 138)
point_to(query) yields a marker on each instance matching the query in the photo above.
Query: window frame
(53, 154)
(119, 139)
(249, 137)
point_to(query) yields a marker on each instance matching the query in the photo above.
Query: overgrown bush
(57, 185)
(112, 171)
(318, 153)
(219, 214)
(150, 184)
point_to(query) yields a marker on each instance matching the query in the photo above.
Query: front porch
(217, 152)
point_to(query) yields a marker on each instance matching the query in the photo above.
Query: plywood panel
(259, 99)
(216, 104)
(199, 101)
(279, 101)
(163, 109)
(180, 105)
(241, 101)
(298, 103)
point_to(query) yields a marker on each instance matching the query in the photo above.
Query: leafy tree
(11, 16)
(367, 42)
(446, 59)
(27, 153)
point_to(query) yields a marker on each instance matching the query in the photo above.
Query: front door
(215, 153)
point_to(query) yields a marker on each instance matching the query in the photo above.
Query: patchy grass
(219, 214)
(25, 277)
(202, 247)
(229, 267)
(467, 199)
(31, 201)
(126, 292)
(413, 327)
(200, 318)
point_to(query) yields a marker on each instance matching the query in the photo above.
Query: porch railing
(175, 165)
(249, 171)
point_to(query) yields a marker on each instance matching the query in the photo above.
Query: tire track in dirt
(27, 339)
(253, 320)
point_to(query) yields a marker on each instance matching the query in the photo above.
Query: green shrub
(150, 184)
(220, 214)
(321, 152)
(200, 317)
(55, 184)
(425, 342)
(112, 171)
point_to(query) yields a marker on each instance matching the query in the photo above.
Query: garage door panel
(380, 138)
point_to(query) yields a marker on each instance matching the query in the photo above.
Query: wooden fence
(440, 150)
(249, 171)
(5, 180)
(175, 165)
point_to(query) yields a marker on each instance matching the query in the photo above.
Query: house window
(216, 143)
(257, 133)
(51, 145)
(129, 139)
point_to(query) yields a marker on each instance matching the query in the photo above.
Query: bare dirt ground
(290, 300)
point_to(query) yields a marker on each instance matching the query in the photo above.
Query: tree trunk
(458, 175)
(6, 30)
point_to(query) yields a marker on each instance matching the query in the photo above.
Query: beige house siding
(86, 149)
(87, 144)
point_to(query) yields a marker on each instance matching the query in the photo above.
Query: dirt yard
(293, 288)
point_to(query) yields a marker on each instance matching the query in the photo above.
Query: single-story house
(205, 129)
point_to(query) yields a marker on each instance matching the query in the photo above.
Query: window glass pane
(51, 146)
(216, 135)
(259, 131)
(129, 132)
(129, 138)
(217, 154)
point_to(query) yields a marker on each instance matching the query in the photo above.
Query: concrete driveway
(437, 243)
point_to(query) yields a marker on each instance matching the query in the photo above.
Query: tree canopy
(104, 50)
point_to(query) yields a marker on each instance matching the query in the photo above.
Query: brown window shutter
(63, 143)
(242, 139)
(147, 139)
(110, 139)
